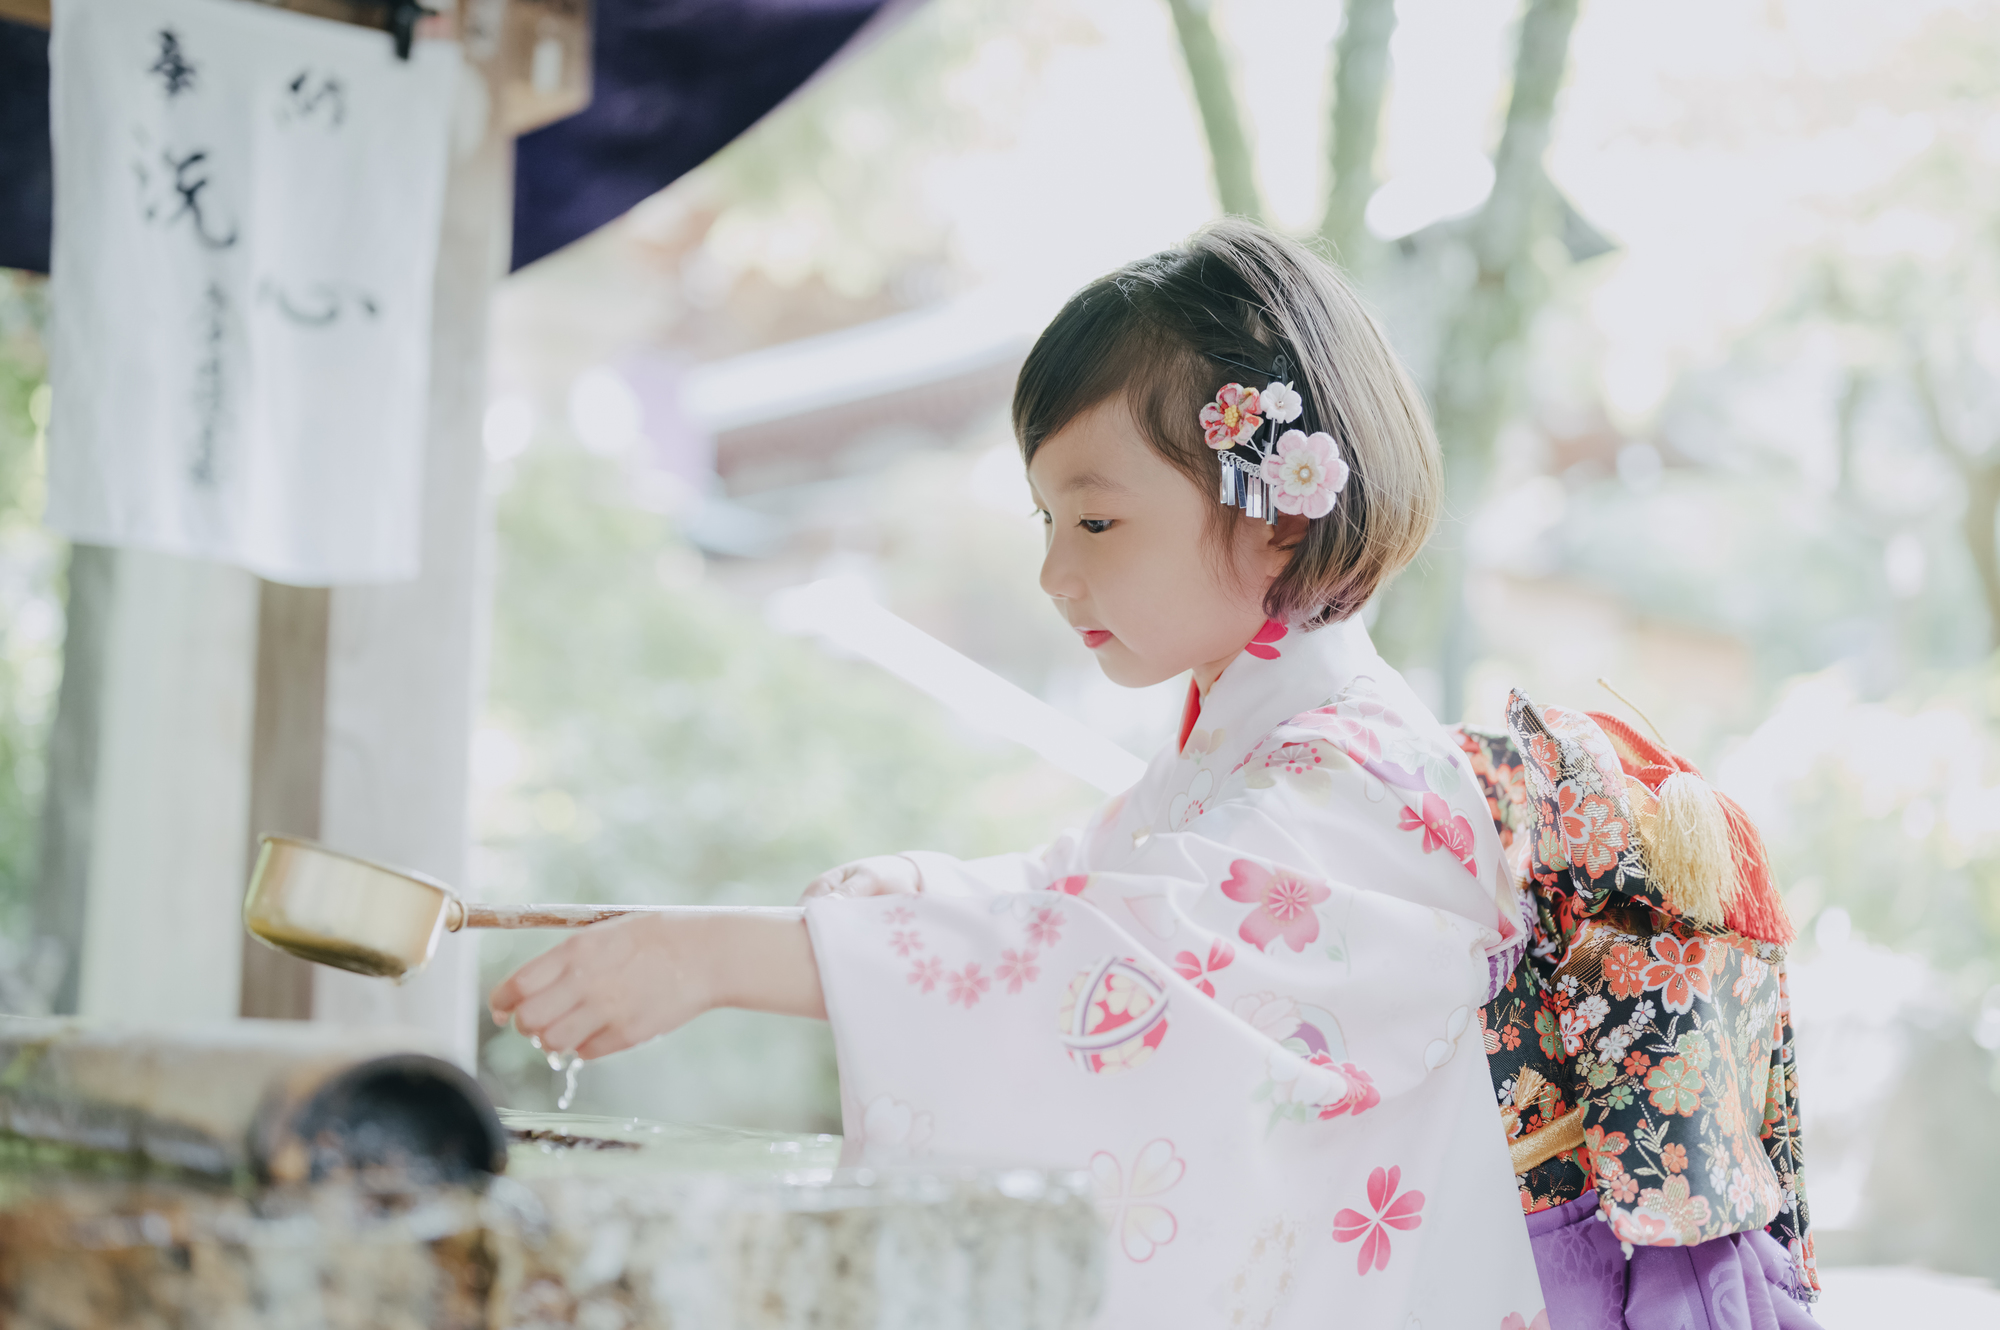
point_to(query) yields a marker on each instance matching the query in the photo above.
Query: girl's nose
(1059, 578)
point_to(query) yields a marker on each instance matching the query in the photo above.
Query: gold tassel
(1528, 1088)
(1687, 849)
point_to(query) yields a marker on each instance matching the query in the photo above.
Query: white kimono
(1244, 996)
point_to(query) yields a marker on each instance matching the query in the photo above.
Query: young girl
(1246, 993)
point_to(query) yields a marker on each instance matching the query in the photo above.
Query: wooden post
(401, 670)
(287, 760)
(169, 798)
(404, 670)
(62, 882)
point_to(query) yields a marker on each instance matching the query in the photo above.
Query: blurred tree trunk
(1360, 84)
(1982, 493)
(1982, 509)
(1479, 357)
(1221, 119)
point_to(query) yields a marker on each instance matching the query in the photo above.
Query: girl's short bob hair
(1163, 333)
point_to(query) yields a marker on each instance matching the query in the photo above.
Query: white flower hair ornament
(1294, 472)
(1282, 404)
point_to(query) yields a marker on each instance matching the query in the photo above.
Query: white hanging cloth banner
(247, 213)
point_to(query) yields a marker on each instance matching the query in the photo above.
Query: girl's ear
(1270, 544)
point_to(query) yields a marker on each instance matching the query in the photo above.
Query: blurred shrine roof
(674, 81)
(799, 411)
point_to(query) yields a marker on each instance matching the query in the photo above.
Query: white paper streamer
(841, 613)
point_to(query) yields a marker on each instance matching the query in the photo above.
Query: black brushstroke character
(176, 71)
(211, 395)
(305, 99)
(190, 178)
(320, 304)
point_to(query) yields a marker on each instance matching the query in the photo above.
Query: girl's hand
(611, 986)
(878, 875)
(619, 983)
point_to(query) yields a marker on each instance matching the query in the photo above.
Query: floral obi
(1633, 1051)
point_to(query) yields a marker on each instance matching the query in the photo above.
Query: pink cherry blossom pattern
(1015, 969)
(1443, 830)
(1296, 759)
(1045, 928)
(1261, 645)
(1232, 417)
(902, 914)
(927, 974)
(966, 985)
(1390, 1211)
(1284, 901)
(1190, 967)
(1072, 885)
(1305, 473)
(1360, 1096)
(906, 941)
(1515, 1321)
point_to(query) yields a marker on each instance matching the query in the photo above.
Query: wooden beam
(535, 52)
(35, 13)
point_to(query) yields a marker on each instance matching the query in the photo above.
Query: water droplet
(568, 1096)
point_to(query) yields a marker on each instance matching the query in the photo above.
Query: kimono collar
(1280, 673)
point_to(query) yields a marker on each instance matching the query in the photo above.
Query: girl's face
(1131, 564)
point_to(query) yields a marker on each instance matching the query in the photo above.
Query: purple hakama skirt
(1741, 1282)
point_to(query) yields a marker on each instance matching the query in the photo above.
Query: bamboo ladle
(355, 914)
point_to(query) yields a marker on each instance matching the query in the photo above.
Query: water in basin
(583, 1144)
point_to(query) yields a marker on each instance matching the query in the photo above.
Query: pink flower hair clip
(1292, 472)
(1305, 473)
(1232, 418)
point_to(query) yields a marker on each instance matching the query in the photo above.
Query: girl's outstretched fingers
(877, 875)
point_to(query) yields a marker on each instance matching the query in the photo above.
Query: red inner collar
(1189, 713)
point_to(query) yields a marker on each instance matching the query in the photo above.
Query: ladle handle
(471, 915)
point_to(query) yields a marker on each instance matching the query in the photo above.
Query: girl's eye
(1096, 526)
(1043, 513)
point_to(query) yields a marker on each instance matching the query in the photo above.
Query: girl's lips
(1095, 637)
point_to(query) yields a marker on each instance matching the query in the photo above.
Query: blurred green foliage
(838, 175)
(1828, 498)
(30, 618)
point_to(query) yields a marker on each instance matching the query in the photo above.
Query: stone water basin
(598, 1223)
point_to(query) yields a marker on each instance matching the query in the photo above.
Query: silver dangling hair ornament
(1231, 424)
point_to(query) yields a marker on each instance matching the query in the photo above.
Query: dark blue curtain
(674, 81)
(27, 182)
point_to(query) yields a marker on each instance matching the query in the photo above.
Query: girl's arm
(619, 983)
